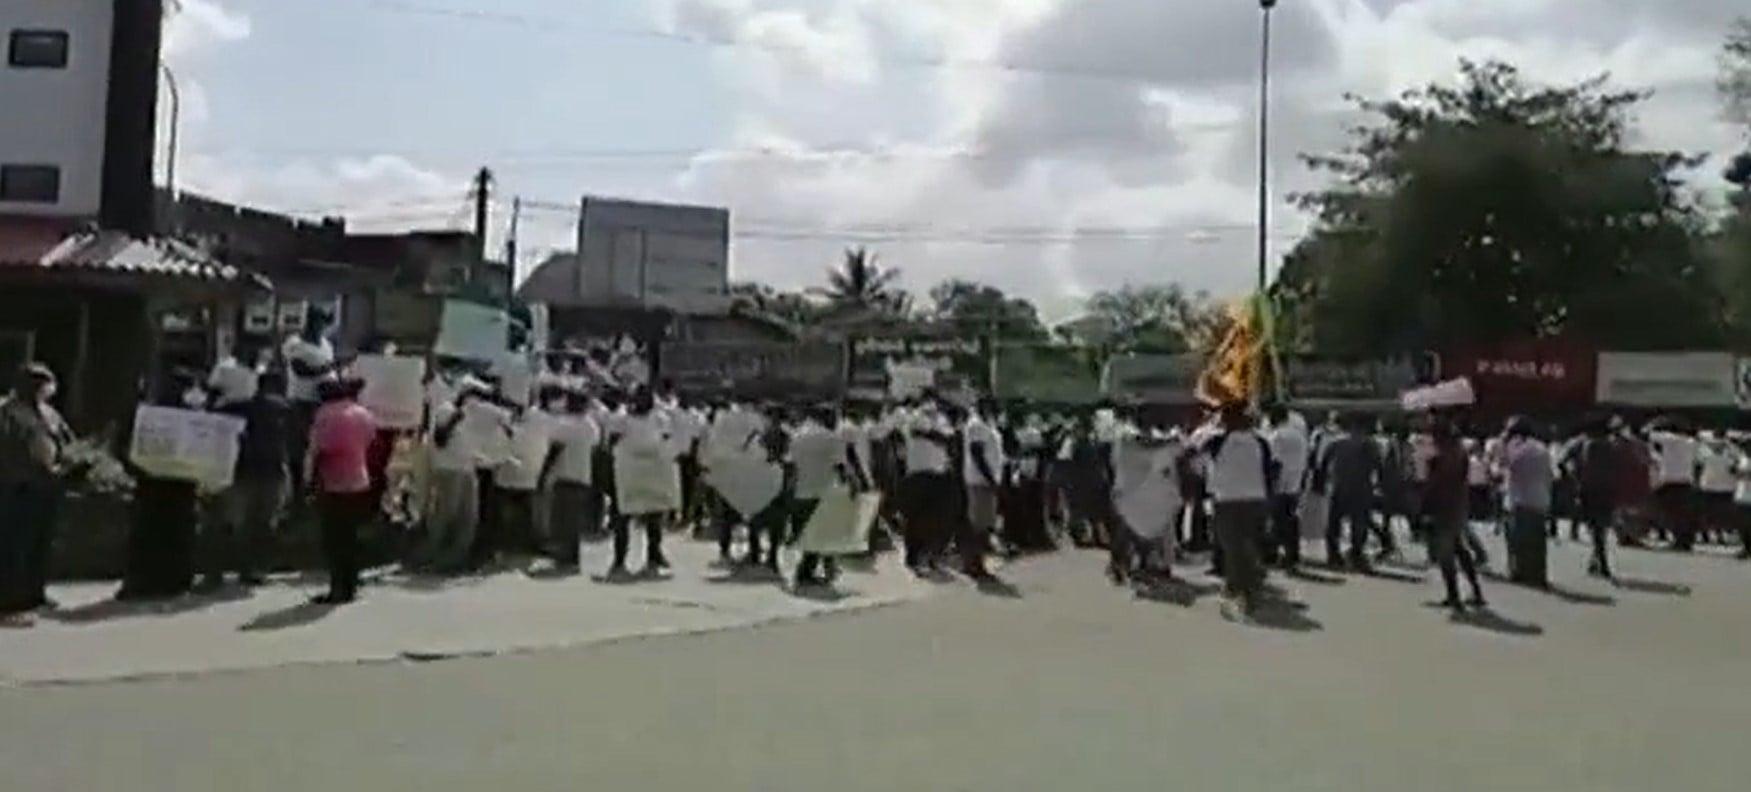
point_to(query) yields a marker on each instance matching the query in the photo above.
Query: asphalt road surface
(1064, 683)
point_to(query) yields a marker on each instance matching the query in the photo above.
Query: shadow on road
(1486, 619)
(1183, 593)
(1384, 573)
(994, 586)
(1577, 597)
(1309, 576)
(110, 609)
(1280, 614)
(1641, 586)
(748, 575)
(301, 615)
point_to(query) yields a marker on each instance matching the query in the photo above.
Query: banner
(1531, 374)
(1047, 373)
(1326, 380)
(878, 365)
(472, 331)
(1153, 378)
(745, 367)
(1452, 393)
(189, 445)
(395, 389)
(1668, 379)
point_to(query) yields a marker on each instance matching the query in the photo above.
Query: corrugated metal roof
(118, 252)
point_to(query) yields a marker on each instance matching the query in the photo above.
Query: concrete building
(634, 254)
(79, 98)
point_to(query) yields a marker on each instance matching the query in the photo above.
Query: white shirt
(979, 431)
(488, 430)
(318, 353)
(1029, 440)
(1742, 493)
(577, 437)
(925, 455)
(1237, 471)
(232, 382)
(460, 452)
(816, 451)
(531, 439)
(1289, 445)
(1674, 458)
(857, 435)
(1718, 460)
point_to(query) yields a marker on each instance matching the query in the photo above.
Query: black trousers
(342, 515)
(1354, 510)
(1528, 547)
(490, 525)
(926, 517)
(1677, 503)
(621, 525)
(1286, 529)
(27, 525)
(161, 541)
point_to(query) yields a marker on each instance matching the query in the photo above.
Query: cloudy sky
(1050, 147)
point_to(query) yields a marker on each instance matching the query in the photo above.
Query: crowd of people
(497, 472)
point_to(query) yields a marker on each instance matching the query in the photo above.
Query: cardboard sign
(189, 445)
(394, 389)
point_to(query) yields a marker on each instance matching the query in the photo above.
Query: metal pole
(175, 127)
(1264, 206)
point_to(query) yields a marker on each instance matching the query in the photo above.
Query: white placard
(1452, 393)
(186, 444)
(473, 332)
(748, 483)
(394, 389)
(841, 523)
(646, 481)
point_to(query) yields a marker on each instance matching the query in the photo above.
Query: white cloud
(1169, 155)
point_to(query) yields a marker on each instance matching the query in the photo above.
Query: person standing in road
(310, 361)
(251, 506)
(1289, 446)
(1350, 466)
(33, 437)
(982, 469)
(1530, 479)
(341, 434)
(1242, 478)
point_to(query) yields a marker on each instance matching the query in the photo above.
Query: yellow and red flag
(1235, 369)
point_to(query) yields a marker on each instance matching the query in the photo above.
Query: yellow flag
(1234, 369)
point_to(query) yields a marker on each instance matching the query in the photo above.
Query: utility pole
(511, 238)
(483, 182)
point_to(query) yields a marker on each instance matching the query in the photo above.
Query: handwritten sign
(473, 332)
(188, 445)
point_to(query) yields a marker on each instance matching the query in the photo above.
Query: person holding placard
(647, 483)
(575, 510)
(161, 542)
(452, 510)
(824, 453)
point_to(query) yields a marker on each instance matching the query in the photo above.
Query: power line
(574, 23)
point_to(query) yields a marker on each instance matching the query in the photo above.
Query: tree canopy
(1496, 208)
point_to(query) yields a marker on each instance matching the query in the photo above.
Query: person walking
(237, 541)
(1289, 446)
(338, 467)
(1242, 474)
(1446, 498)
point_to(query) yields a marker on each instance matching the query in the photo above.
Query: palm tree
(861, 282)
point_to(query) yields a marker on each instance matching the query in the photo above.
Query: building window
(30, 184)
(37, 49)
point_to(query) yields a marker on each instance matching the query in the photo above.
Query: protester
(574, 509)
(1242, 477)
(310, 361)
(33, 441)
(238, 539)
(1446, 499)
(341, 434)
(1290, 447)
(161, 540)
(1530, 478)
(1350, 468)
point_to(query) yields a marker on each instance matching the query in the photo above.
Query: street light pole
(173, 143)
(1264, 207)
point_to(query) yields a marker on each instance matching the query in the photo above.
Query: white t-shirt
(488, 430)
(1289, 445)
(1030, 439)
(577, 437)
(1742, 492)
(232, 382)
(1674, 458)
(531, 439)
(924, 455)
(979, 431)
(1718, 461)
(318, 353)
(816, 451)
(1237, 470)
(460, 452)
(856, 436)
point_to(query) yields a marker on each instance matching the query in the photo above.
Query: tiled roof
(120, 253)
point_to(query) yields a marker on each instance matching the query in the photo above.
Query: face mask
(193, 397)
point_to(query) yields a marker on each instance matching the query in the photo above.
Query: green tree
(1494, 208)
(860, 282)
(976, 309)
(760, 298)
(1163, 317)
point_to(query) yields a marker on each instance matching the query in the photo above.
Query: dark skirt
(1024, 516)
(161, 542)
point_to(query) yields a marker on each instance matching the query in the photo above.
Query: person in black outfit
(238, 540)
(161, 543)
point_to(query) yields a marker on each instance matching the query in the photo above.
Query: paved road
(1064, 684)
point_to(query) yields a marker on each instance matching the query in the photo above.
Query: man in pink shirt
(341, 435)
